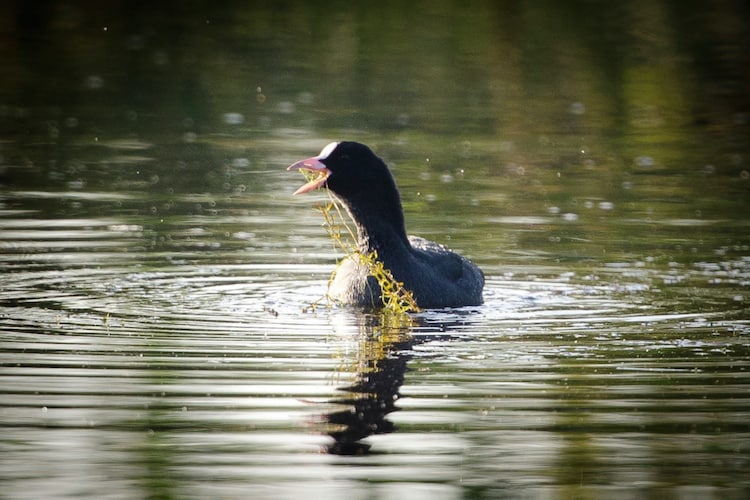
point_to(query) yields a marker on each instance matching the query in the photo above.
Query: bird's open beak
(314, 166)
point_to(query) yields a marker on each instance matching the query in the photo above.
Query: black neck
(380, 226)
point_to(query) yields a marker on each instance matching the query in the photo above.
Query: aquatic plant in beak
(394, 296)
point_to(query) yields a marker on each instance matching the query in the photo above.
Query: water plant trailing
(395, 298)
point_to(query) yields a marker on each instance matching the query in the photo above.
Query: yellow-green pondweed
(394, 296)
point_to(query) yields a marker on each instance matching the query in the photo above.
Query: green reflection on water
(584, 142)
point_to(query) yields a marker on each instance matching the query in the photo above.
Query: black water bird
(436, 276)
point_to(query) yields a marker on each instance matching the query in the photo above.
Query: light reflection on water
(157, 275)
(160, 373)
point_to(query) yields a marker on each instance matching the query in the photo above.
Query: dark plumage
(435, 275)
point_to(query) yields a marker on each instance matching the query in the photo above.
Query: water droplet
(577, 108)
(305, 97)
(286, 108)
(94, 82)
(645, 161)
(233, 118)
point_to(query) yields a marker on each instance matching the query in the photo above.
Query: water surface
(157, 274)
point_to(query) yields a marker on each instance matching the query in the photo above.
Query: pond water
(157, 338)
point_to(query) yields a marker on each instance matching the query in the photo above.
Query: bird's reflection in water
(385, 348)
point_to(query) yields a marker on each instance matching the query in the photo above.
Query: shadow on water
(380, 364)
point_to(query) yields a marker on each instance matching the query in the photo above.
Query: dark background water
(592, 158)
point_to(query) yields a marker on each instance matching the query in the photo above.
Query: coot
(436, 276)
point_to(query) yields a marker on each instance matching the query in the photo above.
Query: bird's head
(364, 184)
(350, 169)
